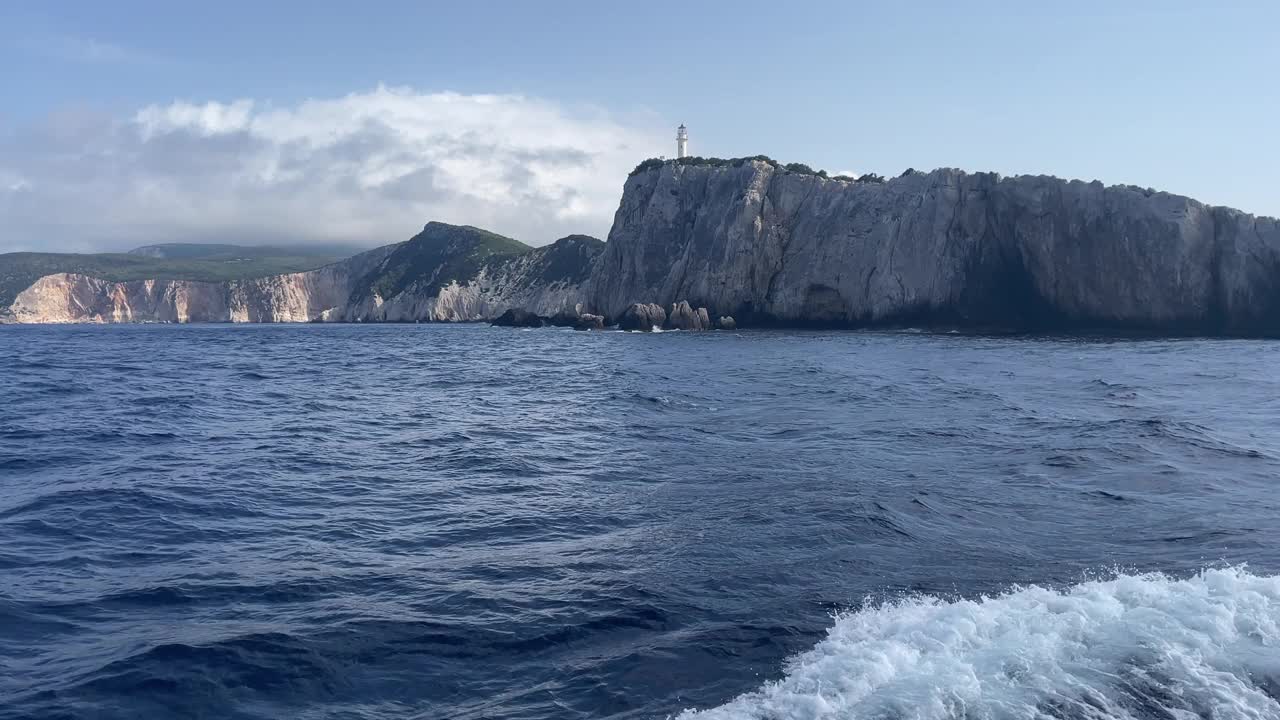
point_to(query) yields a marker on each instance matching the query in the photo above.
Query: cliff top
(796, 168)
(872, 178)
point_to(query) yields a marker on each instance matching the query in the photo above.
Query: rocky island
(704, 243)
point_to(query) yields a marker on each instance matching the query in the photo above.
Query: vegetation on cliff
(792, 168)
(569, 258)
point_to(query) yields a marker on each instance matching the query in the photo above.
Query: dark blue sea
(468, 522)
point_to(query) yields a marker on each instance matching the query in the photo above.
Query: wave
(1133, 646)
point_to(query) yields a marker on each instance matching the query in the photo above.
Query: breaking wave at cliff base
(1134, 646)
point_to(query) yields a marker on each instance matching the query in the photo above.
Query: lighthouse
(682, 141)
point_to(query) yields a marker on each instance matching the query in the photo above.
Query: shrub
(799, 169)
(647, 165)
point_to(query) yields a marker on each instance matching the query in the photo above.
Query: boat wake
(1133, 646)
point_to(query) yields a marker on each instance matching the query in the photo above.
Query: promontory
(771, 245)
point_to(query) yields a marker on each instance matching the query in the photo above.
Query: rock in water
(642, 316)
(770, 245)
(726, 322)
(516, 317)
(684, 317)
(587, 321)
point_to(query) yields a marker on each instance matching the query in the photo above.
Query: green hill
(439, 254)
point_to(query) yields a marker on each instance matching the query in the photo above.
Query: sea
(469, 522)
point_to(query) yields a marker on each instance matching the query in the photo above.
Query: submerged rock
(684, 317)
(642, 316)
(516, 317)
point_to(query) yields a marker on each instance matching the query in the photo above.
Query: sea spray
(1133, 646)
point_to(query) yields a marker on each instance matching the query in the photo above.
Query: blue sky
(161, 110)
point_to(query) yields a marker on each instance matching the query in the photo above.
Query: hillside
(438, 255)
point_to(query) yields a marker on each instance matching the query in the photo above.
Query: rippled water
(473, 522)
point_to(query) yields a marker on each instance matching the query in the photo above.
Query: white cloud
(369, 168)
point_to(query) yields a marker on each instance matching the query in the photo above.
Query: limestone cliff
(293, 297)
(767, 245)
(752, 242)
(446, 273)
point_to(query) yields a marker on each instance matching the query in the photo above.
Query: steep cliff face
(445, 274)
(294, 297)
(770, 246)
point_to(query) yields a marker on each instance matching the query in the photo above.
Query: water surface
(470, 522)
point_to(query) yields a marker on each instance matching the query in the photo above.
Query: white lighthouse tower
(682, 141)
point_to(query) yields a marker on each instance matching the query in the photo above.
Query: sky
(129, 123)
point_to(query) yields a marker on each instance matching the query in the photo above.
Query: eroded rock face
(946, 247)
(642, 316)
(545, 281)
(319, 294)
(726, 322)
(684, 317)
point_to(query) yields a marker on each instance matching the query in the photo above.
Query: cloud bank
(369, 168)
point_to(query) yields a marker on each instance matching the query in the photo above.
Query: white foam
(1134, 646)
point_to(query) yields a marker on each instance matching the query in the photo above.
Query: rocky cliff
(771, 246)
(457, 274)
(751, 241)
(446, 273)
